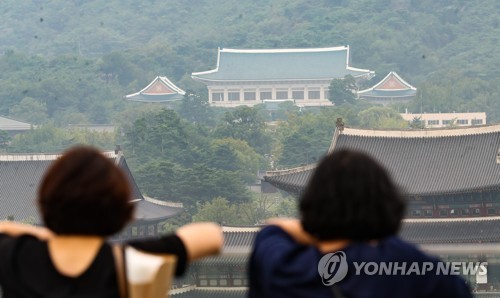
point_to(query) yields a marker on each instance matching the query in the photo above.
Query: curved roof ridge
(422, 133)
(42, 156)
(289, 50)
(458, 219)
(291, 170)
(392, 73)
(162, 79)
(226, 229)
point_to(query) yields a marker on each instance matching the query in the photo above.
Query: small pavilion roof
(422, 162)
(281, 65)
(161, 89)
(9, 124)
(20, 176)
(391, 86)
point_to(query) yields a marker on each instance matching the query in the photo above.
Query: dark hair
(351, 196)
(85, 193)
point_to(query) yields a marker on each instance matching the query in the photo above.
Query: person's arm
(17, 229)
(294, 228)
(201, 239)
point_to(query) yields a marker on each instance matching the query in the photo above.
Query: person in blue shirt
(346, 243)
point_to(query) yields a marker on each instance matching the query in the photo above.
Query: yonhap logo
(332, 267)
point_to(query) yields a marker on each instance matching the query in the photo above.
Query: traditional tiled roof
(281, 65)
(235, 237)
(456, 230)
(9, 124)
(161, 89)
(238, 242)
(391, 86)
(422, 162)
(209, 292)
(20, 176)
(419, 231)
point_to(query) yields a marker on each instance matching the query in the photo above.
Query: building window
(477, 211)
(249, 95)
(443, 212)
(282, 94)
(298, 94)
(465, 211)
(233, 96)
(462, 121)
(217, 96)
(416, 213)
(327, 94)
(446, 122)
(432, 122)
(313, 94)
(476, 121)
(428, 213)
(492, 211)
(267, 94)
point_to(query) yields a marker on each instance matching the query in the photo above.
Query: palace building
(248, 77)
(451, 172)
(161, 89)
(452, 181)
(391, 89)
(464, 240)
(20, 176)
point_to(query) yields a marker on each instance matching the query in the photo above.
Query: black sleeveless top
(26, 270)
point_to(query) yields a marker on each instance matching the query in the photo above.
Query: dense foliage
(71, 62)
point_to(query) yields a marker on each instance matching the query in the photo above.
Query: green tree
(244, 123)
(196, 109)
(31, 110)
(237, 155)
(158, 178)
(218, 210)
(381, 117)
(4, 139)
(342, 90)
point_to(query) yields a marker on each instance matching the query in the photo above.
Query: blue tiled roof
(389, 93)
(277, 65)
(161, 89)
(391, 86)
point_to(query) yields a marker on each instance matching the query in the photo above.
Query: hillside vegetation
(447, 48)
(71, 62)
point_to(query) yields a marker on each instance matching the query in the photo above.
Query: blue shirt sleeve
(280, 267)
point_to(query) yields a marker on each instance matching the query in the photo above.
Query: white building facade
(434, 120)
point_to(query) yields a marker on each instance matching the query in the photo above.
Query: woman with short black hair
(84, 198)
(351, 212)
(348, 192)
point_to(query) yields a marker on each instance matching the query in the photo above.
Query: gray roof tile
(424, 162)
(20, 176)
